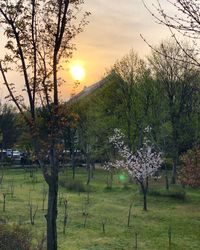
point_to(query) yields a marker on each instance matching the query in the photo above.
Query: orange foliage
(190, 172)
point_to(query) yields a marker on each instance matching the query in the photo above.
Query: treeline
(161, 93)
(13, 131)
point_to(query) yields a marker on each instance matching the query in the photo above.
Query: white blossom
(140, 165)
(147, 129)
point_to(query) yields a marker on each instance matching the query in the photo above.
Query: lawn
(108, 207)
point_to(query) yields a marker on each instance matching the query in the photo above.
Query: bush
(126, 186)
(175, 192)
(108, 188)
(7, 161)
(168, 164)
(3, 221)
(190, 172)
(179, 195)
(14, 238)
(73, 185)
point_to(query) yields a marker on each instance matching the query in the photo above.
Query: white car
(9, 153)
(16, 155)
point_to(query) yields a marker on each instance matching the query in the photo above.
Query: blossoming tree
(140, 165)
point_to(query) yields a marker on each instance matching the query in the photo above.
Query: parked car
(16, 155)
(2, 154)
(9, 153)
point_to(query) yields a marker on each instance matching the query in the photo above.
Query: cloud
(116, 24)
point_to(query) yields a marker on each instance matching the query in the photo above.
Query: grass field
(110, 207)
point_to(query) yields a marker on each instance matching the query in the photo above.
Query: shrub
(126, 186)
(175, 192)
(73, 185)
(168, 164)
(14, 238)
(179, 195)
(7, 161)
(108, 188)
(190, 172)
(3, 220)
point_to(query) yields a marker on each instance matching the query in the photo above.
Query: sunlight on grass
(112, 207)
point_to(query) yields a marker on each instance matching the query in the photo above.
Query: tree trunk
(173, 180)
(73, 165)
(129, 214)
(175, 136)
(111, 179)
(88, 169)
(144, 187)
(51, 216)
(145, 201)
(174, 170)
(166, 178)
(129, 132)
(129, 115)
(140, 143)
(89, 174)
(93, 169)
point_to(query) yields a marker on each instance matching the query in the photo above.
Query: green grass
(112, 206)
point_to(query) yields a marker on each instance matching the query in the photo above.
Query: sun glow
(77, 72)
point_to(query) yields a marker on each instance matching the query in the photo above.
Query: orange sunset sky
(114, 29)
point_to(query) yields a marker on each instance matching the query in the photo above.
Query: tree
(110, 168)
(179, 81)
(190, 172)
(86, 136)
(70, 121)
(181, 17)
(128, 74)
(184, 20)
(39, 35)
(8, 125)
(96, 107)
(141, 165)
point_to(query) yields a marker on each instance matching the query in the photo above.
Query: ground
(111, 207)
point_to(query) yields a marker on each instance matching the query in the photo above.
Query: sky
(114, 29)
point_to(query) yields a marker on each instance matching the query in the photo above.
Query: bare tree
(85, 212)
(129, 214)
(136, 241)
(104, 222)
(32, 212)
(60, 197)
(65, 215)
(4, 200)
(182, 19)
(170, 236)
(44, 194)
(12, 188)
(39, 35)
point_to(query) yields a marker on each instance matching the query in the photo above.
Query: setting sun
(77, 72)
